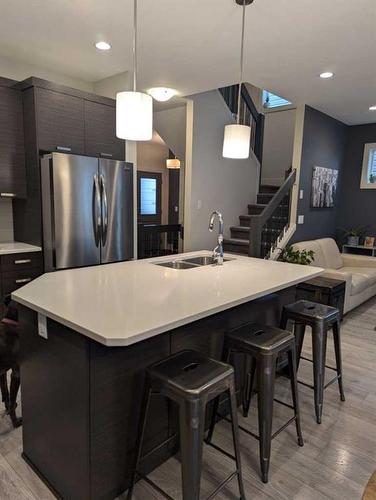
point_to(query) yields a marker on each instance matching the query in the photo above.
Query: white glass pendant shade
(134, 116)
(236, 141)
(173, 163)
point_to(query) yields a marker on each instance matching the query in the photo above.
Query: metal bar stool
(191, 380)
(320, 318)
(263, 344)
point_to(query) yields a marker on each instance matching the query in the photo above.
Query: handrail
(258, 221)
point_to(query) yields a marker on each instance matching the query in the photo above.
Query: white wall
(214, 182)
(171, 126)
(110, 86)
(6, 220)
(151, 157)
(20, 71)
(278, 145)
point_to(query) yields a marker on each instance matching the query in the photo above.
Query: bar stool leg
(141, 434)
(319, 338)
(247, 394)
(192, 423)
(337, 348)
(284, 320)
(266, 366)
(294, 391)
(299, 332)
(235, 437)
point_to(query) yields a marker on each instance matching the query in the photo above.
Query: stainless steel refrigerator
(87, 208)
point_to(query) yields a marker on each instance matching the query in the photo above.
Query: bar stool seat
(321, 318)
(191, 380)
(263, 344)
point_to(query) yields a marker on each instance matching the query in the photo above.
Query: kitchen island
(82, 384)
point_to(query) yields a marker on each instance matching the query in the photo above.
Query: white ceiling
(193, 45)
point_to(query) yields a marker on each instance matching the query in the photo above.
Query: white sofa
(358, 271)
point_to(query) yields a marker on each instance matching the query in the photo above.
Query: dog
(9, 359)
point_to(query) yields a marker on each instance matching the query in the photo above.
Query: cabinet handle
(22, 261)
(8, 195)
(107, 155)
(23, 280)
(63, 148)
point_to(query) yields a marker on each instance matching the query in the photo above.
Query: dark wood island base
(81, 400)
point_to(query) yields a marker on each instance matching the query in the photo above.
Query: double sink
(190, 263)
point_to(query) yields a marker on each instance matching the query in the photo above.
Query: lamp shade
(236, 141)
(173, 163)
(134, 116)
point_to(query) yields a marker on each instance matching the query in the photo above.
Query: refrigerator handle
(104, 211)
(97, 214)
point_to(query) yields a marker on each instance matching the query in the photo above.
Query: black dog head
(11, 311)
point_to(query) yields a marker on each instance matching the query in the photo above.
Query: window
(149, 197)
(271, 101)
(368, 179)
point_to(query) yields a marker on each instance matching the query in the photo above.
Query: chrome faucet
(218, 250)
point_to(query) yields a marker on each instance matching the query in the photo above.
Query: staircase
(239, 241)
(267, 226)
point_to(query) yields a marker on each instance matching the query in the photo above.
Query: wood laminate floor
(336, 462)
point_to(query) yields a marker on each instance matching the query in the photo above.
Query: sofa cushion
(368, 272)
(319, 258)
(331, 253)
(359, 283)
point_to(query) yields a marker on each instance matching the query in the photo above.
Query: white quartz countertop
(123, 303)
(17, 247)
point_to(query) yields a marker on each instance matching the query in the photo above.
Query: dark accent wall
(357, 206)
(324, 143)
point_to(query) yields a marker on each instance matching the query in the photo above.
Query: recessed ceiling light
(162, 94)
(326, 74)
(103, 46)
(372, 108)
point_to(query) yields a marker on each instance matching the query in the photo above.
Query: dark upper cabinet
(60, 122)
(100, 132)
(12, 153)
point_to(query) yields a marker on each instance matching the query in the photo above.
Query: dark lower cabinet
(17, 270)
(81, 401)
(60, 122)
(12, 153)
(100, 132)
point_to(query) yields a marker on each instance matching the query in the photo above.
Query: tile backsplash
(6, 220)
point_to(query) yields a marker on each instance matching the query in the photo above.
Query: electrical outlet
(301, 193)
(42, 326)
(300, 219)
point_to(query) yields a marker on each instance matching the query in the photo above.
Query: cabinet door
(100, 132)
(12, 154)
(60, 122)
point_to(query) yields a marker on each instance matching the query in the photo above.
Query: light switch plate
(199, 204)
(42, 325)
(301, 194)
(300, 219)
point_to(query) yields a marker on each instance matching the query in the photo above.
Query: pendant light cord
(134, 45)
(241, 63)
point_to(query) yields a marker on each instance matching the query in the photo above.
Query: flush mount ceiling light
(134, 110)
(162, 94)
(103, 45)
(236, 141)
(173, 163)
(326, 74)
(372, 108)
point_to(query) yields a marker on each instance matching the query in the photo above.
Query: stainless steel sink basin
(189, 263)
(176, 264)
(203, 261)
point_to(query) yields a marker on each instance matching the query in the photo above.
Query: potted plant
(353, 235)
(302, 257)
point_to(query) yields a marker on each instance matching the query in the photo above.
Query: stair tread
(236, 241)
(261, 205)
(240, 228)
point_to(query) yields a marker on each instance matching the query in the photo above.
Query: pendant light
(173, 163)
(237, 137)
(134, 110)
